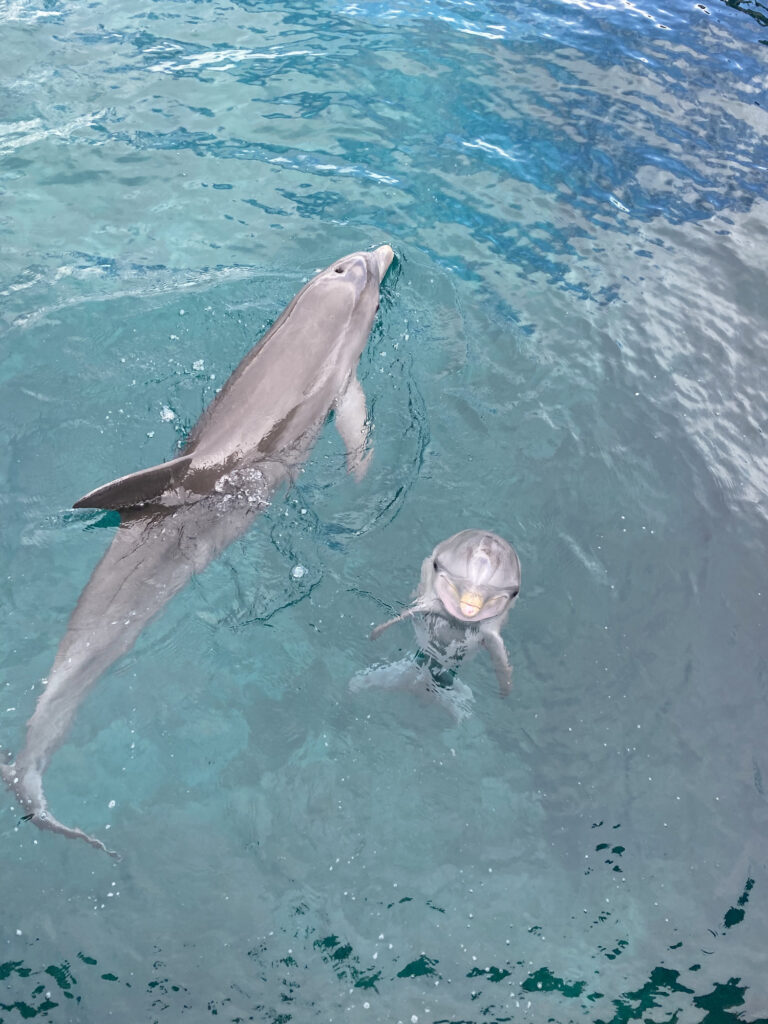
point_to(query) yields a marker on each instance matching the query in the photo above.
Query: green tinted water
(568, 353)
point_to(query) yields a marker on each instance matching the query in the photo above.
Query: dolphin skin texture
(178, 516)
(468, 586)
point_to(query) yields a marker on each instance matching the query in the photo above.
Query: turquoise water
(568, 352)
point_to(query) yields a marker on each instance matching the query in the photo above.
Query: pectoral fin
(500, 659)
(136, 488)
(415, 609)
(351, 419)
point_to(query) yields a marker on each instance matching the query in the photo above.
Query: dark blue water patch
(735, 915)
(36, 991)
(753, 8)
(591, 167)
(494, 18)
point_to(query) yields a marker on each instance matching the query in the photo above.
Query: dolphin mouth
(470, 604)
(384, 256)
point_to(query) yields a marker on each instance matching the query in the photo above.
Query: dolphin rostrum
(468, 586)
(178, 516)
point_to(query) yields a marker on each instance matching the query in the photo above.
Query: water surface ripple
(570, 352)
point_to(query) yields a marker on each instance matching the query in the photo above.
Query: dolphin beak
(384, 256)
(470, 604)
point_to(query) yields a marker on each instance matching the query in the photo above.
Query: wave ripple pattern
(570, 352)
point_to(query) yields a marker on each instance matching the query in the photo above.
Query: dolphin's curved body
(178, 516)
(468, 586)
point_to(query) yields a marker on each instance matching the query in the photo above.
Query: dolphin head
(475, 575)
(359, 271)
(383, 257)
(342, 300)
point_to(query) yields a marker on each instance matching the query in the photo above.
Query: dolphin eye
(435, 565)
(513, 594)
(339, 270)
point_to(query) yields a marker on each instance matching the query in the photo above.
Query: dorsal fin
(136, 488)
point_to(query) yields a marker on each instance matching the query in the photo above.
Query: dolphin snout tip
(384, 256)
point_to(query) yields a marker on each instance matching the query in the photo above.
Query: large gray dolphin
(468, 586)
(178, 516)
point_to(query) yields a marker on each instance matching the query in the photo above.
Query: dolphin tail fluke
(405, 674)
(29, 793)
